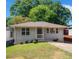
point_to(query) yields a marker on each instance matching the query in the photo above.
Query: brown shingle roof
(38, 24)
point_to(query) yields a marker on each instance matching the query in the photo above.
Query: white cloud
(68, 6)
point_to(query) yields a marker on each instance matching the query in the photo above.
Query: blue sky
(8, 4)
(66, 3)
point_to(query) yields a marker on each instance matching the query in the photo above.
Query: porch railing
(40, 36)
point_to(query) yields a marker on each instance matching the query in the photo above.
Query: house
(70, 29)
(68, 34)
(41, 31)
(8, 37)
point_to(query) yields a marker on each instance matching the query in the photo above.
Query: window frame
(25, 31)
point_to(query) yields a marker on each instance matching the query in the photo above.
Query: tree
(63, 15)
(41, 13)
(22, 7)
(43, 10)
(17, 20)
(8, 19)
(54, 13)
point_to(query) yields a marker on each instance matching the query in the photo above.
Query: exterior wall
(49, 36)
(61, 35)
(33, 35)
(7, 35)
(52, 36)
(22, 38)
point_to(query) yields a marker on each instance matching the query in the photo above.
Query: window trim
(27, 31)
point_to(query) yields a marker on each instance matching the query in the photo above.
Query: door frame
(42, 34)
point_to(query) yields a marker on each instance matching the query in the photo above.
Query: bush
(26, 41)
(35, 41)
(31, 41)
(55, 40)
(21, 42)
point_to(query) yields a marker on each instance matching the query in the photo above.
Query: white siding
(51, 36)
(23, 38)
(60, 35)
(7, 35)
(33, 35)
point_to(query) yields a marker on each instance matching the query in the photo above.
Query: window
(56, 30)
(65, 31)
(25, 31)
(47, 30)
(39, 31)
(52, 30)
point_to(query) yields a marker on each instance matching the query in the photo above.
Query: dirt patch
(58, 55)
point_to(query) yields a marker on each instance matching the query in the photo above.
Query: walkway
(64, 46)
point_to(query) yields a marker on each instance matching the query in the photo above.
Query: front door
(40, 33)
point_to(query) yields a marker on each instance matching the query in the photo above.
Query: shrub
(55, 39)
(21, 42)
(31, 41)
(26, 41)
(35, 41)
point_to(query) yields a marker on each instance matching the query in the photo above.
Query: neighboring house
(9, 39)
(41, 31)
(68, 30)
(68, 34)
(8, 34)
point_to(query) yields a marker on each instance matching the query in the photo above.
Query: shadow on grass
(11, 42)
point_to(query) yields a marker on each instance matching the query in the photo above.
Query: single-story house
(68, 34)
(41, 31)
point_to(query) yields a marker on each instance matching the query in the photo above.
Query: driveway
(64, 46)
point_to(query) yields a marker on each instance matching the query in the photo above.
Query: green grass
(36, 51)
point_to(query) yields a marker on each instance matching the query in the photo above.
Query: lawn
(36, 51)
